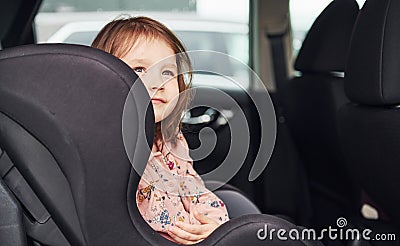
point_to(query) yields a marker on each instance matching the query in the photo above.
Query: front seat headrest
(325, 46)
(372, 73)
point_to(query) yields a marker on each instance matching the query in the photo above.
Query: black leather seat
(311, 101)
(370, 124)
(63, 155)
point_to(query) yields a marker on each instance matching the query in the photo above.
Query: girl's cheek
(149, 90)
(173, 103)
(177, 87)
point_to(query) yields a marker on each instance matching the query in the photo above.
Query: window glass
(220, 26)
(117, 5)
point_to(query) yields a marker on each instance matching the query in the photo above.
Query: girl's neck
(158, 145)
(154, 148)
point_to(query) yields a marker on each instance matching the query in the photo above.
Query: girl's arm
(196, 197)
(206, 211)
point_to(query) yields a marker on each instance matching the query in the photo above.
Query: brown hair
(121, 34)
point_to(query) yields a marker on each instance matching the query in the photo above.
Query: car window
(226, 43)
(198, 23)
(81, 37)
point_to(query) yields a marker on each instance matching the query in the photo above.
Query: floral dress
(170, 190)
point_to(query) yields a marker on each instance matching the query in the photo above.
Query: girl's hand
(186, 233)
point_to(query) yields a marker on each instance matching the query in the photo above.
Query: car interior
(319, 152)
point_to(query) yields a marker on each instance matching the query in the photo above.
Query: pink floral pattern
(170, 190)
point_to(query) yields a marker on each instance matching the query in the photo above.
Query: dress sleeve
(195, 196)
(144, 198)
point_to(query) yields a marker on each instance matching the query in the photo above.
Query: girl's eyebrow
(140, 61)
(146, 62)
(170, 65)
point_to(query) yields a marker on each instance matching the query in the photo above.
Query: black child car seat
(66, 178)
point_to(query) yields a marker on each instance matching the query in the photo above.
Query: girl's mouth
(157, 100)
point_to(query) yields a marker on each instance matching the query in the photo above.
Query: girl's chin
(160, 116)
(159, 119)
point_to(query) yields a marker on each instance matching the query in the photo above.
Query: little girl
(171, 196)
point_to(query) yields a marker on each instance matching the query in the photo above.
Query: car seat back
(311, 102)
(63, 126)
(61, 109)
(369, 125)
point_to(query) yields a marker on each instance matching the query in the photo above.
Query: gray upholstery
(61, 109)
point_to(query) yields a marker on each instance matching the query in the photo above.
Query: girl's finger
(194, 229)
(184, 234)
(178, 239)
(203, 219)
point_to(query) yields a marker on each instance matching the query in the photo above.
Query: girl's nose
(153, 81)
(157, 87)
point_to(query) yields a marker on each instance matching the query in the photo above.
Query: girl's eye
(168, 74)
(139, 70)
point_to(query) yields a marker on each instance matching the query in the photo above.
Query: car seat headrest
(326, 44)
(373, 74)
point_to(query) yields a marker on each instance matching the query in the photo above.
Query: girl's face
(154, 61)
